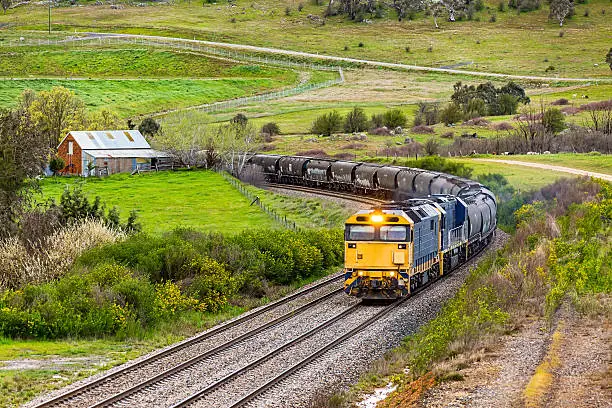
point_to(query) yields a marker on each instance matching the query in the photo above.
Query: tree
(236, 143)
(560, 9)
(327, 124)
(432, 146)
(104, 119)
(56, 112)
(553, 120)
(56, 164)
(270, 129)
(609, 58)
(394, 118)
(406, 7)
(240, 119)
(24, 151)
(149, 127)
(185, 138)
(5, 4)
(355, 121)
(451, 114)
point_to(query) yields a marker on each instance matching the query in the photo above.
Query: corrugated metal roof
(110, 139)
(125, 153)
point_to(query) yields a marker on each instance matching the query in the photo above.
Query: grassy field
(198, 199)
(141, 96)
(125, 62)
(506, 45)
(520, 177)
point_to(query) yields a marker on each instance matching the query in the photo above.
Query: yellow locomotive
(392, 250)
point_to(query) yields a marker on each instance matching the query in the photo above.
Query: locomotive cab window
(360, 233)
(393, 233)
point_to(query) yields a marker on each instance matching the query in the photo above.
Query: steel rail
(313, 356)
(216, 350)
(196, 396)
(58, 400)
(329, 193)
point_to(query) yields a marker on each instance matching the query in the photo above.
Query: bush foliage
(136, 283)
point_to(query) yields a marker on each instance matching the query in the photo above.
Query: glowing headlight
(391, 274)
(360, 273)
(376, 218)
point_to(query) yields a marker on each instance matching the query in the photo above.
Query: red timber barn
(89, 153)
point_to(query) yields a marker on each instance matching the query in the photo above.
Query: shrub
(327, 124)
(356, 121)
(561, 101)
(56, 164)
(240, 119)
(149, 127)
(432, 146)
(354, 146)
(53, 257)
(427, 114)
(553, 120)
(381, 131)
(422, 129)
(377, 120)
(502, 126)
(394, 118)
(271, 129)
(312, 153)
(451, 114)
(448, 135)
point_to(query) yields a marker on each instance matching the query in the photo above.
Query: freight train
(435, 223)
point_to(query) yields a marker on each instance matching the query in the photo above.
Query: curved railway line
(294, 332)
(328, 193)
(86, 393)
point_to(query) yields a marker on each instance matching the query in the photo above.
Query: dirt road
(563, 169)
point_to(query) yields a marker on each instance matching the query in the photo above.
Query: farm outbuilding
(99, 153)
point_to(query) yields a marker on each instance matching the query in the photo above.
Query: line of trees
(357, 121)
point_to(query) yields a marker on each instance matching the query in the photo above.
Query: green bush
(327, 124)
(356, 121)
(394, 118)
(451, 113)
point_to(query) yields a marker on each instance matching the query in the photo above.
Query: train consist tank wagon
(435, 222)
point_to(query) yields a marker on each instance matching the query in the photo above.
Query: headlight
(377, 218)
(360, 273)
(391, 274)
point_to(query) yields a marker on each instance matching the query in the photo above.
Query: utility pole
(49, 17)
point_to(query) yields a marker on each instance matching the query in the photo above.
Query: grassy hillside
(141, 96)
(125, 62)
(506, 45)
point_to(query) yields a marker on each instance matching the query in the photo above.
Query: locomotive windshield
(361, 232)
(391, 233)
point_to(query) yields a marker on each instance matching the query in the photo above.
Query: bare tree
(403, 7)
(560, 9)
(5, 4)
(23, 155)
(236, 143)
(600, 118)
(186, 138)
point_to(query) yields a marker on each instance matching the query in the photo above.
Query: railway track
(375, 314)
(95, 390)
(328, 193)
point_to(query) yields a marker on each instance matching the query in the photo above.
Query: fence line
(219, 51)
(171, 43)
(281, 219)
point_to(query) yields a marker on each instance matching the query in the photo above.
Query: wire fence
(255, 200)
(204, 49)
(174, 43)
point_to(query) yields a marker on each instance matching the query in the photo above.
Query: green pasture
(520, 177)
(525, 43)
(201, 200)
(141, 96)
(83, 60)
